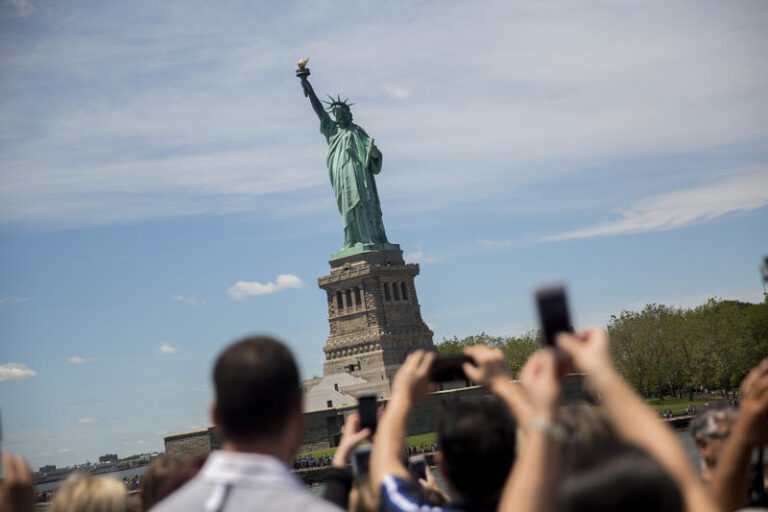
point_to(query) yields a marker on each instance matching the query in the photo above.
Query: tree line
(663, 350)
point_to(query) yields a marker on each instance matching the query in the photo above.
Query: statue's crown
(336, 102)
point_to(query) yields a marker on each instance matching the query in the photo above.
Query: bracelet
(550, 428)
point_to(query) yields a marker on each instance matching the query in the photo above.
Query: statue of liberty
(353, 160)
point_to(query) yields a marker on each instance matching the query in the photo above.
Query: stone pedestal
(374, 316)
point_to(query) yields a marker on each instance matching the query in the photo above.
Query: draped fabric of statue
(352, 160)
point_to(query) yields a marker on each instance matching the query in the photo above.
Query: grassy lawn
(427, 439)
(678, 405)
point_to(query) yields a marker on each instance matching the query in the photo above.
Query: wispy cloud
(166, 348)
(397, 92)
(742, 192)
(12, 300)
(13, 371)
(243, 289)
(492, 244)
(421, 257)
(80, 360)
(22, 8)
(183, 140)
(87, 421)
(189, 300)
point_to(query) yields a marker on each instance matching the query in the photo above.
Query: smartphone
(361, 459)
(445, 369)
(368, 409)
(418, 468)
(764, 269)
(553, 313)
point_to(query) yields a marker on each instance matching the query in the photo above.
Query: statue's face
(343, 116)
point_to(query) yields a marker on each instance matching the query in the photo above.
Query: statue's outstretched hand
(305, 85)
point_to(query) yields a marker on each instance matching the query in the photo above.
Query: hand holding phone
(361, 459)
(449, 368)
(418, 468)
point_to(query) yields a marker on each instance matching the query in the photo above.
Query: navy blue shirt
(401, 495)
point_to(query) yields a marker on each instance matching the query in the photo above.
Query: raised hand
(411, 383)
(351, 437)
(589, 350)
(753, 409)
(489, 369)
(540, 379)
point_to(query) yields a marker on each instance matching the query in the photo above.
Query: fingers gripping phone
(418, 468)
(367, 408)
(361, 458)
(553, 313)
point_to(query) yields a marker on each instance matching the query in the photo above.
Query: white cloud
(13, 371)
(743, 192)
(87, 421)
(397, 92)
(492, 244)
(79, 360)
(64, 450)
(189, 300)
(497, 111)
(243, 289)
(166, 348)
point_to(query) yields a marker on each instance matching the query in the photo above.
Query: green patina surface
(353, 160)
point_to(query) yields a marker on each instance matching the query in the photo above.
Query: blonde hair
(83, 493)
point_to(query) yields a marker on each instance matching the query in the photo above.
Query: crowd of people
(310, 462)
(517, 449)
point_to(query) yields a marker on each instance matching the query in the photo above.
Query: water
(683, 435)
(126, 473)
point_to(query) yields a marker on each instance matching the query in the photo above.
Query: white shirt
(234, 482)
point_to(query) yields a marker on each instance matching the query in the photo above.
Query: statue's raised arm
(352, 161)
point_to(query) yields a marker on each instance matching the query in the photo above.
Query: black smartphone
(418, 468)
(368, 409)
(445, 369)
(361, 459)
(553, 313)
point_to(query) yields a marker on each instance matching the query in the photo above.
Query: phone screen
(446, 369)
(368, 410)
(553, 313)
(361, 459)
(418, 468)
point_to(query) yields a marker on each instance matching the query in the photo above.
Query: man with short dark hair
(477, 447)
(258, 412)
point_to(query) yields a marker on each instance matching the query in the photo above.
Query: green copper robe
(351, 167)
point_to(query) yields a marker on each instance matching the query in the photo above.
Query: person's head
(341, 111)
(83, 493)
(477, 442)
(154, 479)
(258, 395)
(616, 476)
(710, 429)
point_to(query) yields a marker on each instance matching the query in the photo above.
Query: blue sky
(153, 155)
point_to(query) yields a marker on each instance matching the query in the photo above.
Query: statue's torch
(303, 71)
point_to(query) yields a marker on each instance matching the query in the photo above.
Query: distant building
(110, 457)
(50, 468)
